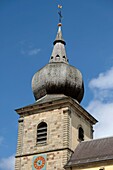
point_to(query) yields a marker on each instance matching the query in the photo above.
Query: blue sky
(27, 31)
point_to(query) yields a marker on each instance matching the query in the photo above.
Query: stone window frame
(41, 138)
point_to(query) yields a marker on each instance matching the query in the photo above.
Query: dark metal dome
(58, 77)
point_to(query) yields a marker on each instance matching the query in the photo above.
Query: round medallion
(39, 162)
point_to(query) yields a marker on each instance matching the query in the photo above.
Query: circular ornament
(39, 162)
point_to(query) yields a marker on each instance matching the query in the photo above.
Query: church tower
(50, 129)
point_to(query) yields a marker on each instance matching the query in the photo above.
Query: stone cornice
(55, 104)
(54, 150)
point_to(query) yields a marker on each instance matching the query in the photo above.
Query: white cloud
(28, 48)
(101, 105)
(104, 114)
(30, 52)
(103, 81)
(7, 163)
(34, 51)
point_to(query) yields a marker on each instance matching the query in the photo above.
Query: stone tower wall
(62, 122)
(55, 161)
(58, 139)
(78, 120)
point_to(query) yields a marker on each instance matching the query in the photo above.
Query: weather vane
(60, 13)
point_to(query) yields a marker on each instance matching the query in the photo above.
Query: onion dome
(58, 77)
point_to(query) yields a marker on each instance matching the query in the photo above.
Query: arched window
(51, 57)
(42, 133)
(80, 134)
(57, 56)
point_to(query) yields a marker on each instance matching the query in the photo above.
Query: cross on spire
(60, 13)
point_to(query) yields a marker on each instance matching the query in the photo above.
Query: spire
(59, 37)
(58, 77)
(59, 52)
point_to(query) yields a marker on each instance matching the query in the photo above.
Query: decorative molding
(49, 151)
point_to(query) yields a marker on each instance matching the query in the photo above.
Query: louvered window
(42, 133)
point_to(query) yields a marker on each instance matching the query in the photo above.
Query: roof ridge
(90, 140)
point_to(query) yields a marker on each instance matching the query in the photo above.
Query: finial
(60, 15)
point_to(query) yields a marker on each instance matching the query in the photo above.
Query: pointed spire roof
(59, 51)
(59, 37)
